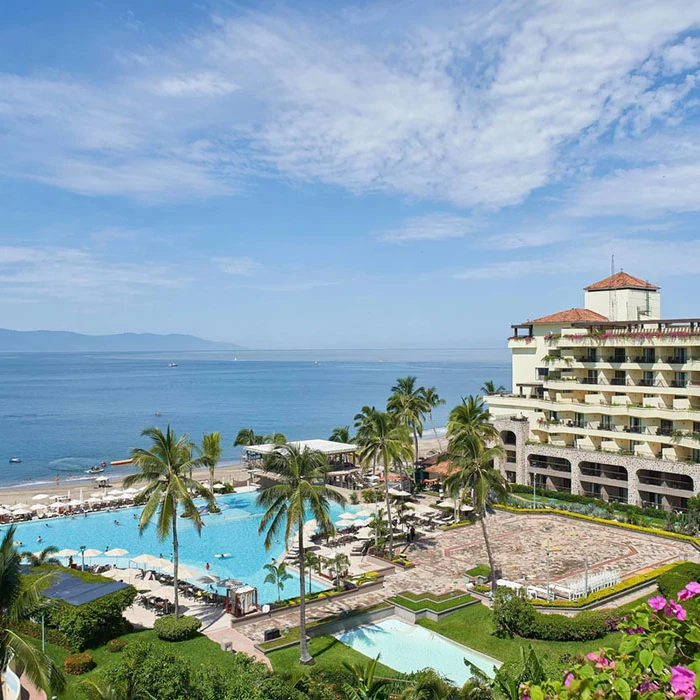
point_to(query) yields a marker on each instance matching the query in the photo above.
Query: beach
(229, 472)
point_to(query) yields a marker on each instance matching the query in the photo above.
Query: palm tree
(490, 388)
(428, 684)
(302, 489)
(378, 524)
(275, 439)
(366, 684)
(311, 562)
(341, 434)
(433, 400)
(470, 418)
(407, 402)
(403, 511)
(211, 453)
(247, 436)
(165, 471)
(392, 443)
(338, 564)
(42, 558)
(474, 472)
(18, 599)
(277, 574)
(364, 425)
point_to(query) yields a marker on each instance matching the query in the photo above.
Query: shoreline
(227, 472)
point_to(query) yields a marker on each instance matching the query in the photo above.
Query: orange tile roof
(621, 280)
(441, 469)
(570, 316)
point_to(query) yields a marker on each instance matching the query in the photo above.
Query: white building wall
(624, 304)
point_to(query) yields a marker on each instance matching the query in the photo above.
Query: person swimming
(40, 539)
(116, 522)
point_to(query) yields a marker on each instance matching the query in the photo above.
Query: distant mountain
(65, 341)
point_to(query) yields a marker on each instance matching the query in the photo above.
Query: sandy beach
(228, 472)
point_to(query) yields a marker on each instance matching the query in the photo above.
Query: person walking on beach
(57, 479)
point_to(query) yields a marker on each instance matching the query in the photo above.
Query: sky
(343, 175)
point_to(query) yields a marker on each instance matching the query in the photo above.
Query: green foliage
(172, 629)
(514, 615)
(93, 623)
(480, 570)
(77, 664)
(678, 578)
(429, 601)
(33, 630)
(114, 646)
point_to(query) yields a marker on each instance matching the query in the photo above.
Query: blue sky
(375, 174)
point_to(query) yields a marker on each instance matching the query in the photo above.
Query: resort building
(605, 399)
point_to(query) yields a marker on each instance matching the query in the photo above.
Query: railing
(666, 483)
(553, 467)
(602, 474)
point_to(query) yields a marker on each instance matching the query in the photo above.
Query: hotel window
(619, 355)
(679, 379)
(620, 378)
(666, 427)
(606, 423)
(592, 377)
(696, 456)
(648, 379)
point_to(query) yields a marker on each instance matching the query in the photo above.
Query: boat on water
(316, 363)
(15, 460)
(96, 469)
(121, 462)
(172, 364)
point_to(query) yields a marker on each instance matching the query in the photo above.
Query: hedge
(621, 587)
(602, 521)
(77, 664)
(172, 630)
(114, 646)
(33, 630)
(673, 581)
(427, 601)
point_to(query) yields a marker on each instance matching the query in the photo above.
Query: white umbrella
(145, 559)
(218, 487)
(118, 552)
(75, 502)
(92, 553)
(110, 499)
(347, 515)
(94, 499)
(66, 553)
(4, 511)
(182, 571)
(359, 522)
(115, 492)
(397, 493)
(56, 505)
(131, 491)
(22, 511)
(40, 496)
(39, 506)
(19, 506)
(343, 523)
(97, 494)
(208, 578)
(364, 533)
(365, 513)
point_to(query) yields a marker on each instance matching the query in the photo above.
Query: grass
(429, 601)
(198, 650)
(328, 653)
(480, 570)
(473, 627)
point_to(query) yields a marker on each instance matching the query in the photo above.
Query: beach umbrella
(347, 515)
(92, 553)
(75, 502)
(208, 578)
(97, 494)
(230, 583)
(364, 533)
(39, 506)
(110, 499)
(56, 505)
(182, 571)
(219, 487)
(115, 492)
(40, 496)
(144, 559)
(19, 506)
(21, 511)
(94, 499)
(344, 523)
(66, 553)
(359, 522)
(4, 511)
(365, 513)
(131, 490)
(118, 552)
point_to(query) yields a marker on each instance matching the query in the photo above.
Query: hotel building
(606, 399)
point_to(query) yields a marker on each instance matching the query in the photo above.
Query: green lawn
(199, 650)
(428, 601)
(328, 652)
(474, 628)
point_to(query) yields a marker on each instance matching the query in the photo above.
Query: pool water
(234, 531)
(408, 648)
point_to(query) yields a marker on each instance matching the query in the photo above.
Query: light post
(43, 633)
(585, 577)
(548, 596)
(82, 555)
(534, 494)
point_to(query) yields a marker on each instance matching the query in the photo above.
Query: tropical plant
(364, 425)
(101, 689)
(489, 388)
(302, 489)
(341, 434)
(467, 419)
(275, 439)
(312, 563)
(433, 400)
(366, 684)
(45, 556)
(407, 402)
(210, 453)
(247, 436)
(378, 524)
(428, 684)
(390, 442)
(165, 472)
(18, 599)
(475, 474)
(403, 511)
(277, 574)
(338, 564)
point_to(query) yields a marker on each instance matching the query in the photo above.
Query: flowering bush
(658, 658)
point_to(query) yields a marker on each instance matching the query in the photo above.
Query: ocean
(60, 413)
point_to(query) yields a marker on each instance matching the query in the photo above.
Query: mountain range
(66, 341)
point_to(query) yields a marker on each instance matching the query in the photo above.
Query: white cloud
(474, 104)
(432, 227)
(244, 266)
(291, 286)
(46, 272)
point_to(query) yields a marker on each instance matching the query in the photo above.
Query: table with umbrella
(116, 553)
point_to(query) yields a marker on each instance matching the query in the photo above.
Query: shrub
(514, 615)
(678, 578)
(77, 664)
(33, 629)
(114, 646)
(172, 630)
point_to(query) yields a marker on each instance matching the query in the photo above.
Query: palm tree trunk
(415, 447)
(211, 477)
(388, 505)
(304, 656)
(176, 562)
(432, 425)
(489, 554)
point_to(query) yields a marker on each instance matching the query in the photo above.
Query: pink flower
(568, 679)
(683, 682)
(685, 594)
(693, 588)
(675, 609)
(657, 603)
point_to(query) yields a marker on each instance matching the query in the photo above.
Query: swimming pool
(234, 531)
(409, 648)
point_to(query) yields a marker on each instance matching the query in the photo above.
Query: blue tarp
(72, 590)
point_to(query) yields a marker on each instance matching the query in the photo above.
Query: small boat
(316, 363)
(222, 556)
(158, 413)
(15, 460)
(97, 469)
(172, 364)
